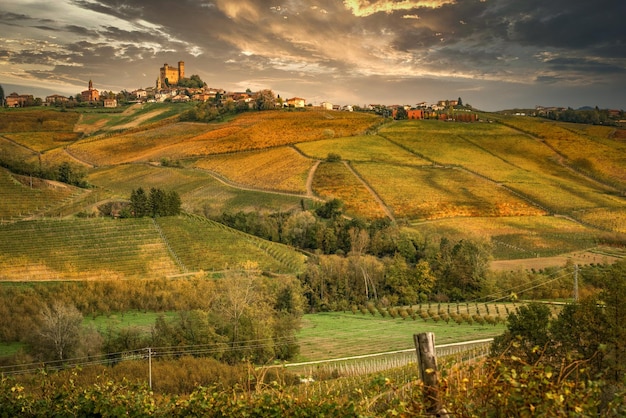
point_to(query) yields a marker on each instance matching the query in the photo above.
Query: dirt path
(372, 192)
(309, 180)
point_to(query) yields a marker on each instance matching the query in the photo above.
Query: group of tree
(155, 203)
(585, 343)
(595, 116)
(242, 315)
(193, 82)
(64, 172)
(355, 261)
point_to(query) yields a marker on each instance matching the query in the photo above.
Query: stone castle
(169, 76)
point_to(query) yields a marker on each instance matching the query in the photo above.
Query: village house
(296, 102)
(55, 99)
(18, 100)
(111, 103)
(326, 105)
(140, 94)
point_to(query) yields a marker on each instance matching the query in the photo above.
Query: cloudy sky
(494, 54)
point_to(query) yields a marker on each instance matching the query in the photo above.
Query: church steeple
(90, 85)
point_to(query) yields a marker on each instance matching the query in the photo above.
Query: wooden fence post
(427, 364)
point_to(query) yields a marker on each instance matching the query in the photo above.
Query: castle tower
(181, 70)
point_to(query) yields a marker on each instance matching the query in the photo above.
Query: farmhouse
(56, 98)
(18, 100)
(296, 102)
(110, 103)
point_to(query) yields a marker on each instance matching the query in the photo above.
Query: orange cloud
(363, 8)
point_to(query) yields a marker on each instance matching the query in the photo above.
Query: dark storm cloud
(570, 24)
(585, 66)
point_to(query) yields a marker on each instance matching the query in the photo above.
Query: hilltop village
(173, 86)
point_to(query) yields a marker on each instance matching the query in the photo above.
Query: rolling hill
(532, 188)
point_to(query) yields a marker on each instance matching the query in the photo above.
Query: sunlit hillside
(528, 187)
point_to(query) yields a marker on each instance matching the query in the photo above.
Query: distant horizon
(43, 92)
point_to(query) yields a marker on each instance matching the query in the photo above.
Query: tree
(1, 96)
(57, 335)
(460, 102)
(463, 268)
(614, 295)
(265, 100)
(527, 333)
(330, 209)
(401, 114)
(139, 204)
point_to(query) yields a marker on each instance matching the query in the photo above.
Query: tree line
(218, 107)
(242, 315)
(353, 261)
(64, 172)
(594, 116)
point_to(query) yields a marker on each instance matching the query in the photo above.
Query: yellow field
(432, 193)
(361, 148)
(248, 131)
(138, 146)
(42, 141)
(335, 180)
(598, 155)
(282, 169)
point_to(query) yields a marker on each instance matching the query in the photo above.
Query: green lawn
(336, 334)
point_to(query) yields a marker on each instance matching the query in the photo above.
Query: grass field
(335, 334)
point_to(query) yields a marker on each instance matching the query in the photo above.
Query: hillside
(530, 188)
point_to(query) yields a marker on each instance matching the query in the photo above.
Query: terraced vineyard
(83, 249)
(496, 181)
(201, 244)
(88, 249)
(336, 181)
(22, 197)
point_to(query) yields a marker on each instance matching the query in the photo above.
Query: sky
(493, 54)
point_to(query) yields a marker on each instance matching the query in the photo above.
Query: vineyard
(334, 180)
(591, 151)
(83, 249)
(281, 169)
(22, 197)
(361, 148)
